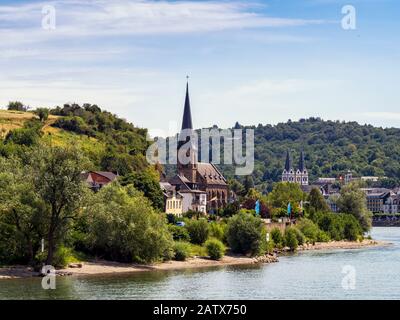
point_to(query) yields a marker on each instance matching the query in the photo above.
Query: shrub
(197, 250)
(181, 250)
(277, 237)
(301, 239)
(217, 230)
(323, 236)
(244, 233)
(309, 229)
(291, 238)
(215, 249)
(352, 229)
(179, 233)
(124, 227)
(198, 231)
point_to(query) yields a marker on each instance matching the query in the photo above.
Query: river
(372, 273)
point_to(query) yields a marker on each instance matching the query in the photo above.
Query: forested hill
(110, 143)
(331, 148)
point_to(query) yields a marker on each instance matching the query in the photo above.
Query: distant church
(203, 186)
(299, 175)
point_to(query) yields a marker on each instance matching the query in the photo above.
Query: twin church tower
(299, 175)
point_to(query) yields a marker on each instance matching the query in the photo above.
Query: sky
(247, 61)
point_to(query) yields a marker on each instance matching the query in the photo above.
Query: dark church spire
(288, 163)
(187, 114)
(302, 164)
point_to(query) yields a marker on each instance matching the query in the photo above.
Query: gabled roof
(210, 173)
(109, 175)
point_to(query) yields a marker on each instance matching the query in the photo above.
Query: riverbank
(101, 267)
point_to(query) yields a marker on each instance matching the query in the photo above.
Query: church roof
(187, 114)
(210, 173)
(288, 163)
(302, 164)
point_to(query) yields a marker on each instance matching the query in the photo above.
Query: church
(202, 185)
(299, 175)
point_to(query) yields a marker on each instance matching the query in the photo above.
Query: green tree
(57, 181)
(124, 226)
(147, 181)
(284, 193)
(22, 213)
(244, 233)
(17, 106)
(352, 200)
(198, 230)
(291, 239)
(42, 113)
(317, 201)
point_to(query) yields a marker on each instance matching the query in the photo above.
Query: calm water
(307, 275)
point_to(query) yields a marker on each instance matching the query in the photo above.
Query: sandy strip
(107, 267)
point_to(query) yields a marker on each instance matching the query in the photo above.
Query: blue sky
(248, 61)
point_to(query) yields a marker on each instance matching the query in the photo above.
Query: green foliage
(331, 148)
(284, 193)
(352, 200)
(217, 230)
(23, 136)
(301, 239)
(42, 113)
(244, 233)
(198, 230)
(147, 181)
(339, 226)
(231, 209)
(309, 229)
(215, 249)
(277, 237)
(291, 238)
(124, 227)
(317, 201)
(179, 233)
(181, 250)
(16, 106)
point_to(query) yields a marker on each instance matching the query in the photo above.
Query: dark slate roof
(302, 164)
(187, 114)
(288, 163)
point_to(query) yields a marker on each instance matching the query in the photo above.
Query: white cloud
(21, 23)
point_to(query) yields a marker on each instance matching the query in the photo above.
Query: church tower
(288, 174)
(302, 173)
(187, 165)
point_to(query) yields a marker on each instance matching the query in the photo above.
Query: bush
(215, 249)
(181, 250)
(301, 239)
(198, 231)
(197, 250)
(291, 238)
(124, 227)
(277, 237)
(309, 229)
(323, 236)
(352, 229)
(179, 233)
(244, 233)
(217, 230)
